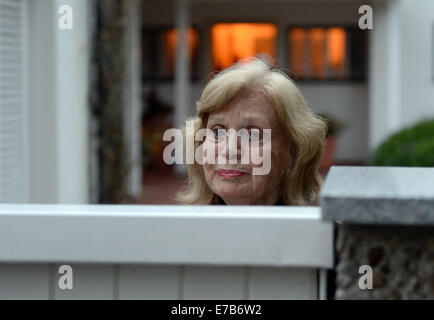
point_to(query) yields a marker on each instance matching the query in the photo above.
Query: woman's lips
(230, 173)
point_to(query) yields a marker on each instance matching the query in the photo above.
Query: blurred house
(374, 81)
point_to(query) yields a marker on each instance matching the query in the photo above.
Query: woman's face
(235, 179)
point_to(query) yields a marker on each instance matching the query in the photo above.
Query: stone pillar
(385, 219)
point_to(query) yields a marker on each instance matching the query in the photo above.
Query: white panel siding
(214, 283)
(13, 113)
(282, 283)
(149, 282)
(162, 282)
(25, 281)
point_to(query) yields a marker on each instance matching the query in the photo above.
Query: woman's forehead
(251, 105)
(242, 119)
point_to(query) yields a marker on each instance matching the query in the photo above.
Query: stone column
(385, 218)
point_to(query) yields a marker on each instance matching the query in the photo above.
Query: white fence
(164, 252)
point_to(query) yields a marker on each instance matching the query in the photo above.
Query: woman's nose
(233, 143)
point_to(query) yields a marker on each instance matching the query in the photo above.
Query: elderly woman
(251, 97)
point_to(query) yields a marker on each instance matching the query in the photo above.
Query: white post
(58, 102)
(132, 97)
(72, 52)
(182, 67)
(322, 284)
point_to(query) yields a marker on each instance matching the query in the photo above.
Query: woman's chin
(233, 194)
(231, 200)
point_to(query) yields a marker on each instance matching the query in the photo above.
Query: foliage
(410, 147)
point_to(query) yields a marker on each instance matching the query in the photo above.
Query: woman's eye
(255, 134)
(218, 132)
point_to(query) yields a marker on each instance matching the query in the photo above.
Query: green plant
(410, 147)
(334, 126)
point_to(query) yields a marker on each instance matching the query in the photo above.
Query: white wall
(384, 72)
(417, 60)
(58, 103)
(401, 83)
(346, 101)
(348, 104)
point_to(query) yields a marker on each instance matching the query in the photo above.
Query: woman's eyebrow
(255, 119)
(248, 119)
(216, 119)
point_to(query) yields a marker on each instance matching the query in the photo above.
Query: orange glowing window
(319, 53)
(232, 42)
(336, 47)
(297, 40)
(317, 46)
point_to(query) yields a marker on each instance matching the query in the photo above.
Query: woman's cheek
(208, 153)
(207, 163)
(280, 156)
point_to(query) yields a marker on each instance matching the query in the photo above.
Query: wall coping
(149, 234)
(379, 195)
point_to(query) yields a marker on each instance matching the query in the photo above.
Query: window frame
(194, 77)
(255, 21)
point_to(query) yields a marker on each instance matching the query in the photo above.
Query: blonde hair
(306, 131)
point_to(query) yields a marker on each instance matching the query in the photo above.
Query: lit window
(297, 40)
(232, 42)
(336, 48)
(317, 47)
(334, 53)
